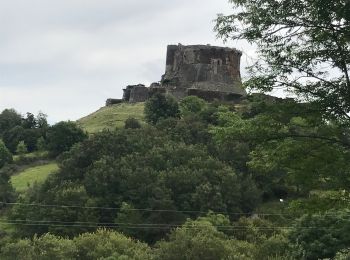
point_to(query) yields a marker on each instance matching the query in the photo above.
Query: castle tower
(206, 71)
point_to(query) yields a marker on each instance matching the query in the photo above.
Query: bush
(132, 123)
(192, 105)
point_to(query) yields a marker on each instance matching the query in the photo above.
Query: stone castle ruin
(205, 71)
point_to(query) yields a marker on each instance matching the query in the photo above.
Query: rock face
(212, 72)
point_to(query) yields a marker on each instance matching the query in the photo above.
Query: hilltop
(110, 117)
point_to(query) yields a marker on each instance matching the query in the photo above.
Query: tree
(62, 136)
(161, 107)
(14, 129)
(304, 47)
(12, 137)
(5, 155)
(29, 121)
(141, 169)
(275, 247)
(128, 214)
(41, 120)
(289, 144)
(190, 130)
(7, 193)
(30, 136)
(6, 189)
(325, 235)
(22, 248)
(16, 134)
(40, 248)
(9, 118)
(201, 240)
(102, 244)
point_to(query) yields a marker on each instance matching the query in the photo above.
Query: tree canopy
(62, 136)
(159, 107)
(303, 46)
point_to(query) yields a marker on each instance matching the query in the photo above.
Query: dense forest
(208, 180)
(267, 178)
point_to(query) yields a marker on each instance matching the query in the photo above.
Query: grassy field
(26, 178)
(111, 117)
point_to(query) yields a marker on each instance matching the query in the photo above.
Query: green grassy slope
(111, 117)
(30, 175)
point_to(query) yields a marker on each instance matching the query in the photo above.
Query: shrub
(132, 123)
(192, 105)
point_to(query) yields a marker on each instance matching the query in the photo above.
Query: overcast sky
(66, 57)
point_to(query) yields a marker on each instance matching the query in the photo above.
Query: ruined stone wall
(215, 95)
(113, 101)
(205, 71)
(202, 67)
(156, 89)
(139, 94)
(135, 93)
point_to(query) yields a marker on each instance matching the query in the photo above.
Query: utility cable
(150, 226)
(146, 210)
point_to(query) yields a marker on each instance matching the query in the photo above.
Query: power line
(157, 210)
(145, 210)
(154, 226)
(93, 223)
